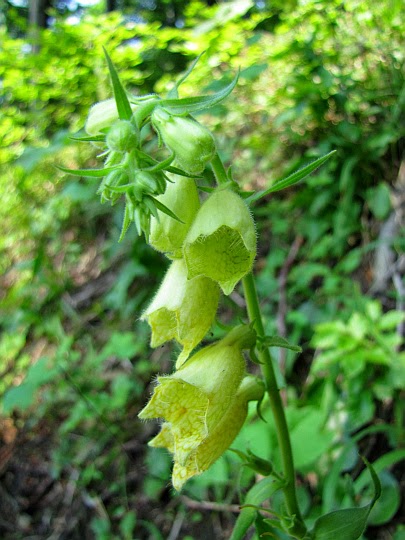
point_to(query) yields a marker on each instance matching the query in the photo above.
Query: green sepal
(253, 356)
(254, 498)
(174, 91)
(126, 222)
(180, 172)
(163, 208)
(91, 173)
(291, 179)
(206, 189)
(120, 96)
(277, 341)
(90, 138)
(197, 103)
(256, 463)
(348, 523)
(160, 165)
(151, 207)
(259, 410)
(120, 189)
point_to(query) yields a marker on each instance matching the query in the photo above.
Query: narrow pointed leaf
(91, 138)
(163, 208)
(121, 98)
(198, 103)
(180, 172)
(174, 91)
(278, 341)
(91, 173)
(292, 179)
(160, 165)
(206, 189)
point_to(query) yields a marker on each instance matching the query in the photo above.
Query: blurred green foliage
(315, 76)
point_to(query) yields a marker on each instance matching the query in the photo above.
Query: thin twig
(207, 505)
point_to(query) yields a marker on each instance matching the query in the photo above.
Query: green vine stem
(252, 302)
(298, 528)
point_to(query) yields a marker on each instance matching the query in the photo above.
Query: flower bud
(191, 143)
(149, 182)
(102, 115)
(122, 136)
(112, 180)
(182, 309)
(167, 234)
(204, 404)
(221, 242)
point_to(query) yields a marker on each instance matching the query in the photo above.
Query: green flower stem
(299, 529)
(219, 170)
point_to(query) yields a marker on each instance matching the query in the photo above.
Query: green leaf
(390, 501)
(91, 173)
(174, 91)
(198, 103)
(347, 524)
(91, 138)
(379, 200)
(255, 496)
(278, 341)
(121, 98)
(292, 179)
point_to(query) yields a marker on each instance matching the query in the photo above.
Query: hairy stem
(219, 170)
(299, 529)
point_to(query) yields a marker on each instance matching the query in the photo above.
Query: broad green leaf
(292, 179)
(198, 103)
(390, 500)
(121, 98)
(349, 523)
(256, 495)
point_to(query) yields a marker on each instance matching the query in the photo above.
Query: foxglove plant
(212, 246)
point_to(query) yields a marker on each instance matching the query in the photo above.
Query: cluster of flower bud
(138, 177)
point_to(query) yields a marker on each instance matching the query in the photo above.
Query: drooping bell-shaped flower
(221, 436)
(167, 234)
(204, 404)
(191, 143)
(182, 309)
(221, 242)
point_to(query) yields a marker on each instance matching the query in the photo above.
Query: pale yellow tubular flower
(221, 243)
(194, 401)
(182, 309)
(181, 197)
(221, 436)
